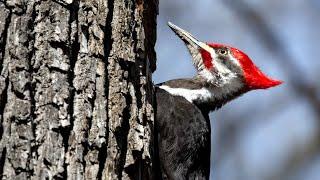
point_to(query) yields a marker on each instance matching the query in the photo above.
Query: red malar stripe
(206, 58)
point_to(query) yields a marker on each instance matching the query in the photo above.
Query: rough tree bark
(75, 88)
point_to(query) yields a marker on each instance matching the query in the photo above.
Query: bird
(182, 123)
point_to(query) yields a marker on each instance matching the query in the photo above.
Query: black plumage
(182, 138)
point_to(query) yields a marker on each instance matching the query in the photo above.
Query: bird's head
(223, 65)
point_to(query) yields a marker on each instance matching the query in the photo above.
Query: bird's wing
(183, 137)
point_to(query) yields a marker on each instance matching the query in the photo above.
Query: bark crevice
(31, 85)
(74, 46)
(3, 102)
(102, 155)
(73, 56)
(2, 161)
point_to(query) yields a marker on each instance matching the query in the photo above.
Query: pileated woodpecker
(182, 122)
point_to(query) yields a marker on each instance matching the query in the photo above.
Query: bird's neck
(206, 96)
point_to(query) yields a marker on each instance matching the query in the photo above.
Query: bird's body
(183, 127)
(184, 144)
(182, 123)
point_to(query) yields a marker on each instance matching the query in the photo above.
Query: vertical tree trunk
(75, 88)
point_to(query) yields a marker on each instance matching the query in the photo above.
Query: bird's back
(183, 138)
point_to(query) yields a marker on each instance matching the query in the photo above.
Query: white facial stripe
(191, 95)
(234, 60)
(222, 69)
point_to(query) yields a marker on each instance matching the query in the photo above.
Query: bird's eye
(222, 51)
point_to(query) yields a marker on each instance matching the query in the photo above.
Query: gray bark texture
(75, 88)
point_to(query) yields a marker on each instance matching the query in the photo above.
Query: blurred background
(267, 134)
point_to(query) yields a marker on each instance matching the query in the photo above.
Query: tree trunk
(75, 88)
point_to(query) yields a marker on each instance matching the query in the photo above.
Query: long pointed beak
(187, 37)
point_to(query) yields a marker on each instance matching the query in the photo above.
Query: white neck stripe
(191, 95)
(206, 95)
